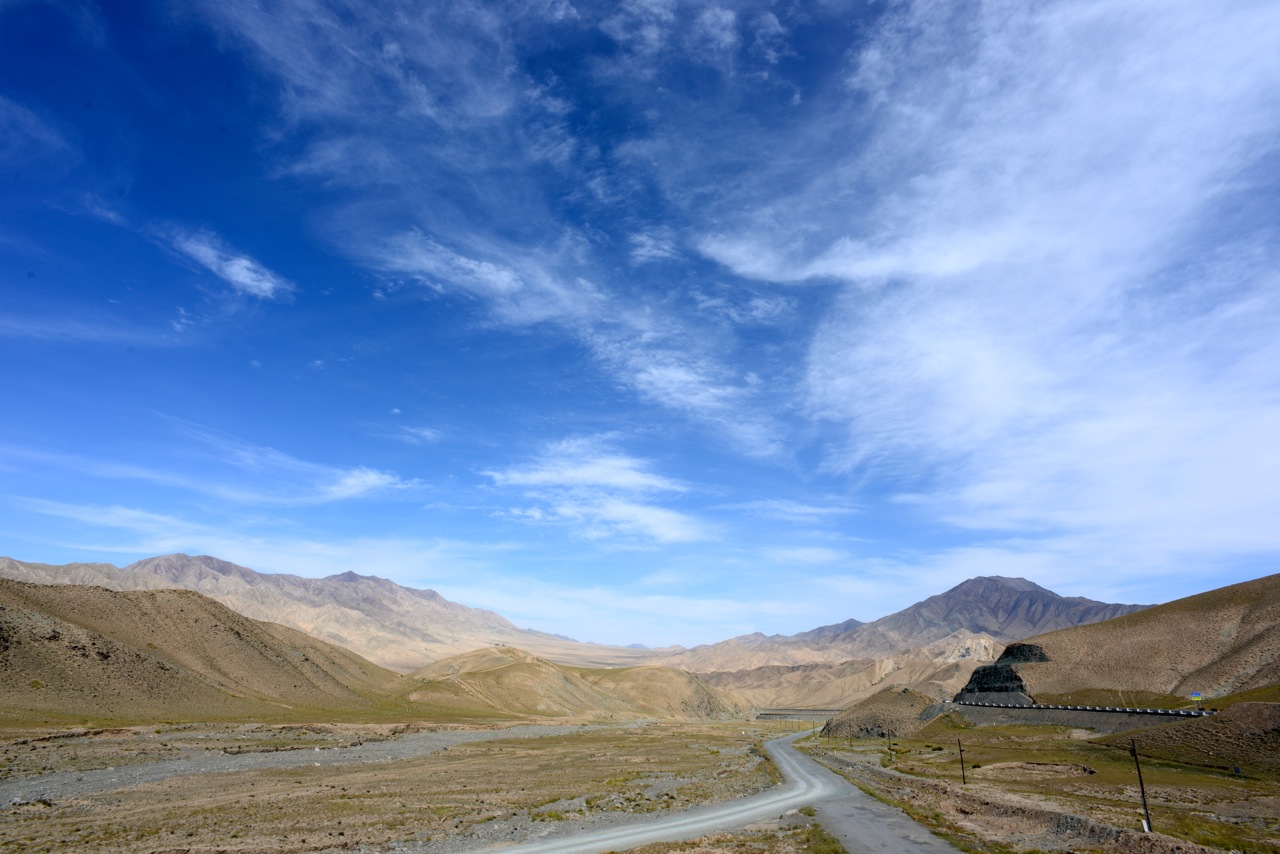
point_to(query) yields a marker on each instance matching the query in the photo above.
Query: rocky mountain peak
(176, 567)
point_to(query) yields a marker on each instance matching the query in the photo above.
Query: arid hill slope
(88, 652)
(1217, 643)
(517, 682)
(893, 710)
(397, 627)
(938, 670)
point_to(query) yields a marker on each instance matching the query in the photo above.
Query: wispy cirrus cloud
(1057, 288)
(602, 493)
(649, 349)
(281, 478)
(807, 555)
(517, 291)
(793, 511)
(441, 121)
(231, 470)
(416, 435)
(86, 329)
(24, 136)
(244, 274)
(587, 462)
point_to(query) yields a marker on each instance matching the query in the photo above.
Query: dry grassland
(468, 795)
(1047, 788)
(792, 836)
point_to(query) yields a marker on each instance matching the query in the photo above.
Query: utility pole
(1133, 751)
(963, 780)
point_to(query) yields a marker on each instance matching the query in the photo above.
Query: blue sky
(646, 321)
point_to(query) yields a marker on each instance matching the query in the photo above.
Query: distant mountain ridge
(397, 627)
(987, 608)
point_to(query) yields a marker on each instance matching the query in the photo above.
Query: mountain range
(400, 628)
(83, 655)
(932, 646)
(962, 623)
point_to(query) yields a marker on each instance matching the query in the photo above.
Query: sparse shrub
(36, 683)
(816, 840)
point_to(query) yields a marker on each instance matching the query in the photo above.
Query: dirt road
(862, 823)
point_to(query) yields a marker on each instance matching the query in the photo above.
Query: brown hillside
(517, 682)
(1216, 643)
(146, 653)
(55, 671)
(893, 710)
(1245, 736)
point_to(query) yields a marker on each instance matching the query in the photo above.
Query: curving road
(862, 823)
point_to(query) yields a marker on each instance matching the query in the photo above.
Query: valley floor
(350, 787)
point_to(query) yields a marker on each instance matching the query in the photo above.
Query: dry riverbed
(350, 787)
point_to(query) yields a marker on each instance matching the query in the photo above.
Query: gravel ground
(64, 784)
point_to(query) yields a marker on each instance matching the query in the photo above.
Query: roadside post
(963, 780)
(1146, 822)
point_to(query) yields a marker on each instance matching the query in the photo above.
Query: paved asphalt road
(862, 823)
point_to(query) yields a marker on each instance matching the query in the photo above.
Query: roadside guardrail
(1186, 713)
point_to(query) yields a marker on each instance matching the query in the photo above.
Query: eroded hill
(517, 682)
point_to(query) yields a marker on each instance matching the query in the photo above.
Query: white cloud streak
(250, 474)
(602, 493)
(242, 273)
(586, 462)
